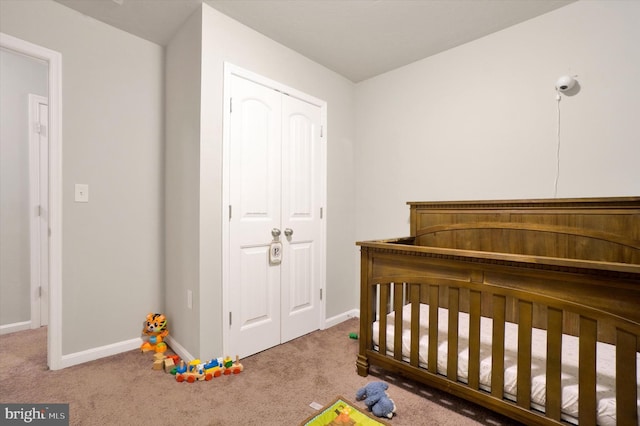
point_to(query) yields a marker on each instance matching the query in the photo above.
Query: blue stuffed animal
(376, 399)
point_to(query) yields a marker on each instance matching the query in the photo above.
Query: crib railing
(385, 295)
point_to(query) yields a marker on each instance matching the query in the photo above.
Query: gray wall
(182, 182)
(194, 255)
(480, 121)
(19, 77)
(112, 96)
(224, 39)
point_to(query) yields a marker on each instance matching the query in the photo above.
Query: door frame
(39, 206)
(54, 60)
(229, 71)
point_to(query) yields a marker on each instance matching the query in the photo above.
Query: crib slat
(474, 339)
(414, 358)
(626, 374)
(587, 372)
(525, 318)
(434, 303)
(397, 307)
(452, 338)
(554, 363)
(497, 351)
(384, 300)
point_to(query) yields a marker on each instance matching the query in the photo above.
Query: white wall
(480, 121)
(19, 77)
(112, 95)
(224, 39)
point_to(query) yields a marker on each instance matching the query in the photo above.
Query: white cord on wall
(555, 191)
(564, 84)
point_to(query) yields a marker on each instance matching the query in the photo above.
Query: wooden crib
(538, 306)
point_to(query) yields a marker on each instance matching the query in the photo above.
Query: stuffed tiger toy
(155, 328)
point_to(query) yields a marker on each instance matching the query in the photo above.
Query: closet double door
(275, 232)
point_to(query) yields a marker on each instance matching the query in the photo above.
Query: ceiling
(355, 38)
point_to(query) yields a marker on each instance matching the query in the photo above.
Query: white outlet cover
(82, 193)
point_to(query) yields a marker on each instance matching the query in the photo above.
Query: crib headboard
(593, 229)
(584, 250)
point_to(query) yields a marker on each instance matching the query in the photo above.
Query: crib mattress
(605, 353)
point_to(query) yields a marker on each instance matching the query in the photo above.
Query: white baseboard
(330, 322)
(101, 352)
(116, 348)
(16, 326)
(178, 349)
(129, 345)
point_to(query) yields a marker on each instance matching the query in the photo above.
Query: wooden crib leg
(362, 365)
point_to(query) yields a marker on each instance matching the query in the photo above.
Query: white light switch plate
(82, 193)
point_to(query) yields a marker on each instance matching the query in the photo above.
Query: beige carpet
(276, 387)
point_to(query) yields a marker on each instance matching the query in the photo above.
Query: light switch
(82, 193)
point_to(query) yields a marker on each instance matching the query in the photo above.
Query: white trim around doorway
(54, 60)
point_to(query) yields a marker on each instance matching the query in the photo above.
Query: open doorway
(23, 79)
(39, 74)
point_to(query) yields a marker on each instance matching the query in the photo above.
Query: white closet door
(275, 194)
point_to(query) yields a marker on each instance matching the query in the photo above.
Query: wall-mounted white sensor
(564, 83)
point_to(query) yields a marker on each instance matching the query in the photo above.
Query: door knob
(288, 232)
(275, 232)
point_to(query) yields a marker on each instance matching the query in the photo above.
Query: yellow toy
(155, 328)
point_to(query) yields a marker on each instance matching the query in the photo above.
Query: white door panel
(258, 325)
(301, 296)
(39, 209)
(43, 113)
(257, 286)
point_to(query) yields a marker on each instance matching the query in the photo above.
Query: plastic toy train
(197, 370)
